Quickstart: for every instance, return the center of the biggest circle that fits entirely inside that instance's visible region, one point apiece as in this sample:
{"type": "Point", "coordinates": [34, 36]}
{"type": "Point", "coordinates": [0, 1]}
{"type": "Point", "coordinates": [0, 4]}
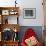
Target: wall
{"type": "Point", "coordinates": [27, 4]}
{"type": "Point", "coordinates": [39, 13]}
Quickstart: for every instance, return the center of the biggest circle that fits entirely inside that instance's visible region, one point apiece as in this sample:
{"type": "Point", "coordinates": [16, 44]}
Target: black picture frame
{"type": "Point", "coordinates": [29, 13]}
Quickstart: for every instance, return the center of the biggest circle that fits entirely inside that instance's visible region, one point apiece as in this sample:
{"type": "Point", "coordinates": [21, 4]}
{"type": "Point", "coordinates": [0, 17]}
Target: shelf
{"type": "Point", "coordinates": [9, 19]}
{"type": "Point", "coordinates": [9, 10]}
{"type": "Point", "coordinates": [8, 15]}
{"type": "Point", "coordinates": [5, 8]}
{"type": "Point", "coordinates": [10, 26]}
{"type": "Point", "coordinates": [11, 41]}
{"type": "Point", "coordinates": [6, 12]}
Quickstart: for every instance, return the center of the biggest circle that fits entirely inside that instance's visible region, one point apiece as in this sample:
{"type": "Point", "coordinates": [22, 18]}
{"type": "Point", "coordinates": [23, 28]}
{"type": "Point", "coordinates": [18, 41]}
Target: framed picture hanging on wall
{"type": "Point", "coordinates": [29, 13]}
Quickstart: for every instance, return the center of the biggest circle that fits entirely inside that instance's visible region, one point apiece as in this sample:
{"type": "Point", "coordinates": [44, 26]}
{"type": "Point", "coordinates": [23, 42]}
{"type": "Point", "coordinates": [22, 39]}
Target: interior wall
{"type": "Point", "coordinates": [38, 21]}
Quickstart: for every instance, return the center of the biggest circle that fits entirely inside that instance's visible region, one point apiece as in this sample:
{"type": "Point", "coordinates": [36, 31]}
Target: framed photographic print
{"type": "Point", "coordinates": [5, 12]}
{"type": "Point", "coordinates": [13, 12]}
{"type": "Point", "coordinates": [29, 13]}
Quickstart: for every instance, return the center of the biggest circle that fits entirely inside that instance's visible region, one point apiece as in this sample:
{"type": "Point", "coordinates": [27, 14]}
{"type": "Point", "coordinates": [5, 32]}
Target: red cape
{"type": "Point", "coordinates": [29, 33]}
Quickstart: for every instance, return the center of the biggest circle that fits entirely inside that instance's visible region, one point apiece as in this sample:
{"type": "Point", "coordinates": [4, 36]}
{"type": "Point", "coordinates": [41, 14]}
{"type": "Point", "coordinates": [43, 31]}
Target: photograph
{"type": "Point", "coordinates": [29, 13]}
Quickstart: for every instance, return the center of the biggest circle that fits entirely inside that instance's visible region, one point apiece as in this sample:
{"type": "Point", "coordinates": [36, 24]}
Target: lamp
{"type": "Point", "coordinates": [15, 3]}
